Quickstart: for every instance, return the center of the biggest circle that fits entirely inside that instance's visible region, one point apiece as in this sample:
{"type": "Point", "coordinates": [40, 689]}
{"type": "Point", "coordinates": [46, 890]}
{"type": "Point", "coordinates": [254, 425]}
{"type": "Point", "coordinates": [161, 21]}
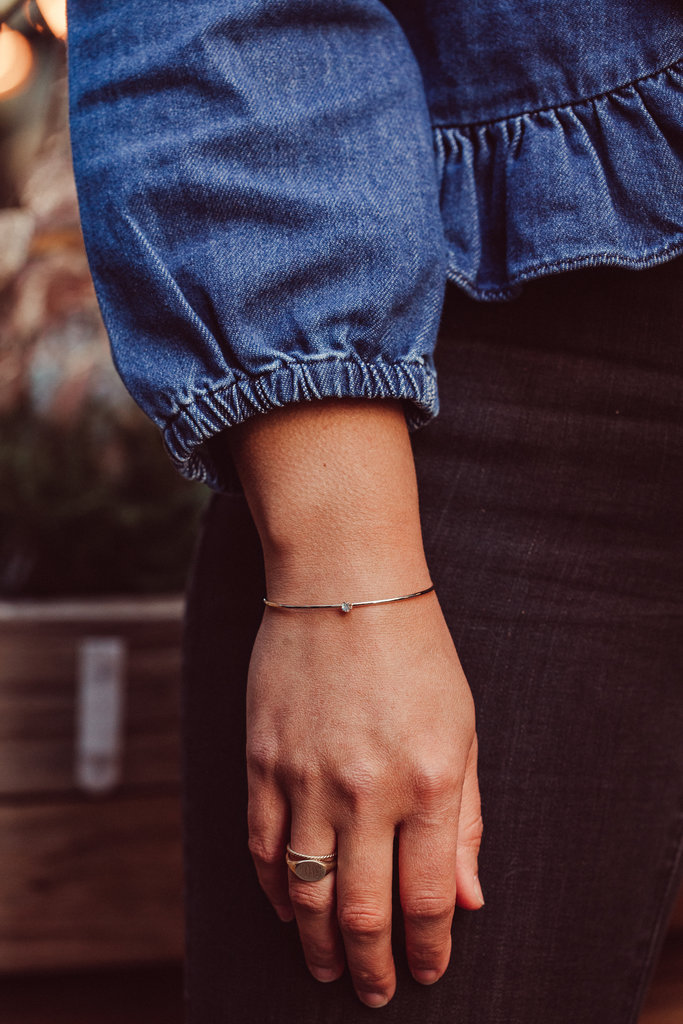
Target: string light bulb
{"type": "Point", "coordinates": [54, 16]}
{"type": "Point", "coordinates": [16, 61]}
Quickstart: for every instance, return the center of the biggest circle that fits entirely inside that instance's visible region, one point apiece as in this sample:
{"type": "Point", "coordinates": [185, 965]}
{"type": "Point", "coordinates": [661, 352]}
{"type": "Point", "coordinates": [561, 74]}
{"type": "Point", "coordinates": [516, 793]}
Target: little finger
{"type": "Point", "coordinates": [427, 883]}
{"type": "Point", "coordinates": [470, 829]}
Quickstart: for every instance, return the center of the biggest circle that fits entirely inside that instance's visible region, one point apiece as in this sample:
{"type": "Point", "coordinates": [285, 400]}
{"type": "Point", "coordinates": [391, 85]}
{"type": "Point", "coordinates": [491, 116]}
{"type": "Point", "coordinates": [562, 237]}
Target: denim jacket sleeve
{"type": "Point", "coordinates": [259, 200]}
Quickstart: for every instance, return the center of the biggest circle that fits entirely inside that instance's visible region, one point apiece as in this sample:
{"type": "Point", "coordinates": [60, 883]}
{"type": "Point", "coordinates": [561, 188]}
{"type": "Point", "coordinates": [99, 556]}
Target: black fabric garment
{"type": "Point", "coordinates": [551, 491]}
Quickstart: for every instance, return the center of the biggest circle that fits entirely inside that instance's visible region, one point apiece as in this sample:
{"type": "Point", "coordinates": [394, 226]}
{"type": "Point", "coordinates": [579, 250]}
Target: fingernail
{"type": "Point", "coordinates": [426, 977]}
{"type": "Point", "coordinates": [325, 974]}
{"type": "Point", "coordinates": [477, 887]}
{"type": "Point", "coordinates": [285, 914]}
{"type": "Point", "coordinates": [373, 998]}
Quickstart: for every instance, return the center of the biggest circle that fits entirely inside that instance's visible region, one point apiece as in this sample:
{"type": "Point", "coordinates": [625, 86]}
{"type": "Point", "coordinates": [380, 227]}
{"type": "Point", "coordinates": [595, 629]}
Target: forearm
{"type": "Point", "coordinates": [332, 488]}
{"type": "Point", "coordinates": [361, 727]}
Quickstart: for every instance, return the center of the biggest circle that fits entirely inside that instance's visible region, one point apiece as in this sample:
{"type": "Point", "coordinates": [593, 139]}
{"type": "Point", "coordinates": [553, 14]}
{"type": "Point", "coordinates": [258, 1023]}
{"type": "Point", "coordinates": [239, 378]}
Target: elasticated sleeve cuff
{"type": "Point", "coordinates": [259, 199]}
{"type": "Point", "coordinates": [189, 435]}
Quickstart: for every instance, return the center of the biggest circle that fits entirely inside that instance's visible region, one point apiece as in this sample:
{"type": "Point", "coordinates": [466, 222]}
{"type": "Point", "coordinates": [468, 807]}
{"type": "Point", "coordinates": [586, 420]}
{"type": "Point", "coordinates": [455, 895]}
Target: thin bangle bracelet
{"type": "Point", "coordinates": [346, 606]}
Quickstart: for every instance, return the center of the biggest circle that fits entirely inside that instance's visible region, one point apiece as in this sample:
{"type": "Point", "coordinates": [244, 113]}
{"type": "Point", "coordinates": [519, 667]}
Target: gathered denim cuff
{"type": "Point", "coordinates": [190, 435]}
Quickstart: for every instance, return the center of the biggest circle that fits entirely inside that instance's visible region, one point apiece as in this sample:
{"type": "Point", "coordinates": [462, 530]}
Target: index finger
{"type": "Point", "coordinates": [364, 873]}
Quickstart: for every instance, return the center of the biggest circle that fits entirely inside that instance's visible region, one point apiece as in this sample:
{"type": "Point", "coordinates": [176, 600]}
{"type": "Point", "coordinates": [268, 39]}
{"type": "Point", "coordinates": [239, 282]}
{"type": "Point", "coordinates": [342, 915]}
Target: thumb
{"type": "Point", "coordinates": [470, 828]}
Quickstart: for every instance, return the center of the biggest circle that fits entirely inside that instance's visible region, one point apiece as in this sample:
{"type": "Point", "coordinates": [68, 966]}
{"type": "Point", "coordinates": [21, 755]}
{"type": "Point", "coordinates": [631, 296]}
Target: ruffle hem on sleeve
{"type": "Point", "coordinates": [598, 181]}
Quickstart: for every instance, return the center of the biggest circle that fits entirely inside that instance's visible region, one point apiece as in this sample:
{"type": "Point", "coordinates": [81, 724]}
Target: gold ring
{"type": "Point", "coordinates": [310, 868]}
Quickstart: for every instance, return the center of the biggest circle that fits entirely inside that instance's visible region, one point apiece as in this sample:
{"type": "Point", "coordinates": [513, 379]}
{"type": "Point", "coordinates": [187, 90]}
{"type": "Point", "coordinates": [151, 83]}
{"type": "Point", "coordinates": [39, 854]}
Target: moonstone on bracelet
{"type": "Point", "coordinates": [346, 606]}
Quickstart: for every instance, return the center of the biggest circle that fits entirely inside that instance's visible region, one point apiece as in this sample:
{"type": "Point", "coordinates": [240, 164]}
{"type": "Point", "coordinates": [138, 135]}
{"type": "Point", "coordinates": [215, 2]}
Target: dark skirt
{"type": "Point", "coordinates": [551, 492]}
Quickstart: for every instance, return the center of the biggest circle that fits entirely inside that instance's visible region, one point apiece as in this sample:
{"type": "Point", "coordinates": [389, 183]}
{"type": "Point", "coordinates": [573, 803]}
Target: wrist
{"type": "Point", "coordinates": [329, 571]}
{"type": "Point", "coordinates": [342, 537]}
{"type": "Point", "coordinates": [332, 489]}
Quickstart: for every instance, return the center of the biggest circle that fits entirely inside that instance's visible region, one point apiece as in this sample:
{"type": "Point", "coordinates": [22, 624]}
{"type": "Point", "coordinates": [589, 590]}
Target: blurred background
{"type": "Point", "coordinates": [96, 534]}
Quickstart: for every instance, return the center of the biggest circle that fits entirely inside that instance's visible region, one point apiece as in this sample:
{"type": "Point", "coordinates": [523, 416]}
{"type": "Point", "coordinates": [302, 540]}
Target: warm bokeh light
{"type": "Point", "coordinates": [16, 61]}
{"type": "Point", "coordinates": [54, 14]}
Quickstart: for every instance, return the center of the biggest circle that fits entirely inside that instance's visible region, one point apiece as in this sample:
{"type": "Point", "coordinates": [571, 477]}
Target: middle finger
{"type": "Point", "coordinates": [364, 874]}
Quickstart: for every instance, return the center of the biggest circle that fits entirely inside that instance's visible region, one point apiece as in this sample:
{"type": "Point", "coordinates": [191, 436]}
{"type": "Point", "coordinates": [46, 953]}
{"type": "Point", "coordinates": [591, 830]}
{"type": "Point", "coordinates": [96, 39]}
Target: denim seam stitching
{"type": "Point", "coordinates": [442, 126]}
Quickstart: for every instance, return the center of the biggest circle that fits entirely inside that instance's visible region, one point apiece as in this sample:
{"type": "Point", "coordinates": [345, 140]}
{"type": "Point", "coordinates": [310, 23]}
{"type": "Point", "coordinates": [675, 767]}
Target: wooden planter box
{"type": "Point", "coordinates": [90, 834]}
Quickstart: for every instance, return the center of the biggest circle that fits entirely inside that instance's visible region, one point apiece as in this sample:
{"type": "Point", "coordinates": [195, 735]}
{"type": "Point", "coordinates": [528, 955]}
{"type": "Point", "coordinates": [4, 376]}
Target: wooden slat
{"type": "Point", "coordinates": [38, 701]}
{"type": "Point", "coordinates": [87, 883]}
{"type": "Point", "coordinates": [41, 768]}
{"type": "Point", "coordinates": [97, 609]}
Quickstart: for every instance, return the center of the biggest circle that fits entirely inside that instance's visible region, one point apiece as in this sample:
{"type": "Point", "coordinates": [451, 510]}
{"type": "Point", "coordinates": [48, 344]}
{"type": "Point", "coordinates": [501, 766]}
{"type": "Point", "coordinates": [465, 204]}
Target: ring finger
{"type": "Point", "coordinates": [314, 902]}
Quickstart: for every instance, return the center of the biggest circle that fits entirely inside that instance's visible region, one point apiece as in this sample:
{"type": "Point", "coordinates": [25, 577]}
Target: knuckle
{"type": "Point", "coordinates": [436, 782]}
{"type": "Point", "coordinates": [320, 954]}
{"type": "Point", "coordinates": [368, 980]}
{"type": "Point", "coordinates": [262, 758]}
{"type": "Point", "coordinates": [361, 782]}
{"type": "Point", "coordinates": [310, 900]}
{"type": "Point", "coordinates": [471, 833]}
{"type": "Point", "coordinates": [265, 850]}
{"type": "Point", "coordinates": [363, 922]}
{"type": "Point", "coordinates": [429, 908]}
{"type": "Point", "coordinates": [426, 957]}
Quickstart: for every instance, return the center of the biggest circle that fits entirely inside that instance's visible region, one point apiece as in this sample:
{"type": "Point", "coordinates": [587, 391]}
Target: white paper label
{"type": "Point", "coordinates": [99, 713]}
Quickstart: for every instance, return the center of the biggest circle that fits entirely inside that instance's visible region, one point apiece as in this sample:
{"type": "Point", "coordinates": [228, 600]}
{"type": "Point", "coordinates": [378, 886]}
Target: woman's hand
{"type": "Point", "coordinates": [360, 725]}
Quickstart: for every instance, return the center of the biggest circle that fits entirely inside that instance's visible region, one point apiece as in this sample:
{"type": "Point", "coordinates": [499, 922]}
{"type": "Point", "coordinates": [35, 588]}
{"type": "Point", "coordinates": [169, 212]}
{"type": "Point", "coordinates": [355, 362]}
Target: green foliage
{"type": "Point", "coordinates": [93, 508]}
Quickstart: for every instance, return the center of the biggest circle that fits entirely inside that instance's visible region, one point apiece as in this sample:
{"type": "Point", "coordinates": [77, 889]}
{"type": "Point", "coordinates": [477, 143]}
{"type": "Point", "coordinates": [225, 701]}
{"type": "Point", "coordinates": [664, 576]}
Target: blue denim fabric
{"type": "Point", "coordinates": [274, 192]}
{"type": "Point", "coordinates": [259, 201]}
{"type": "Point", "coordinates": [559, 133]}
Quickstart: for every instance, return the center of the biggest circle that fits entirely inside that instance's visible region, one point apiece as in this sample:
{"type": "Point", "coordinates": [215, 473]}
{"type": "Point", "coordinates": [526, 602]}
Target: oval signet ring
{"type": "Point", "coordinates": [309, 868]}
